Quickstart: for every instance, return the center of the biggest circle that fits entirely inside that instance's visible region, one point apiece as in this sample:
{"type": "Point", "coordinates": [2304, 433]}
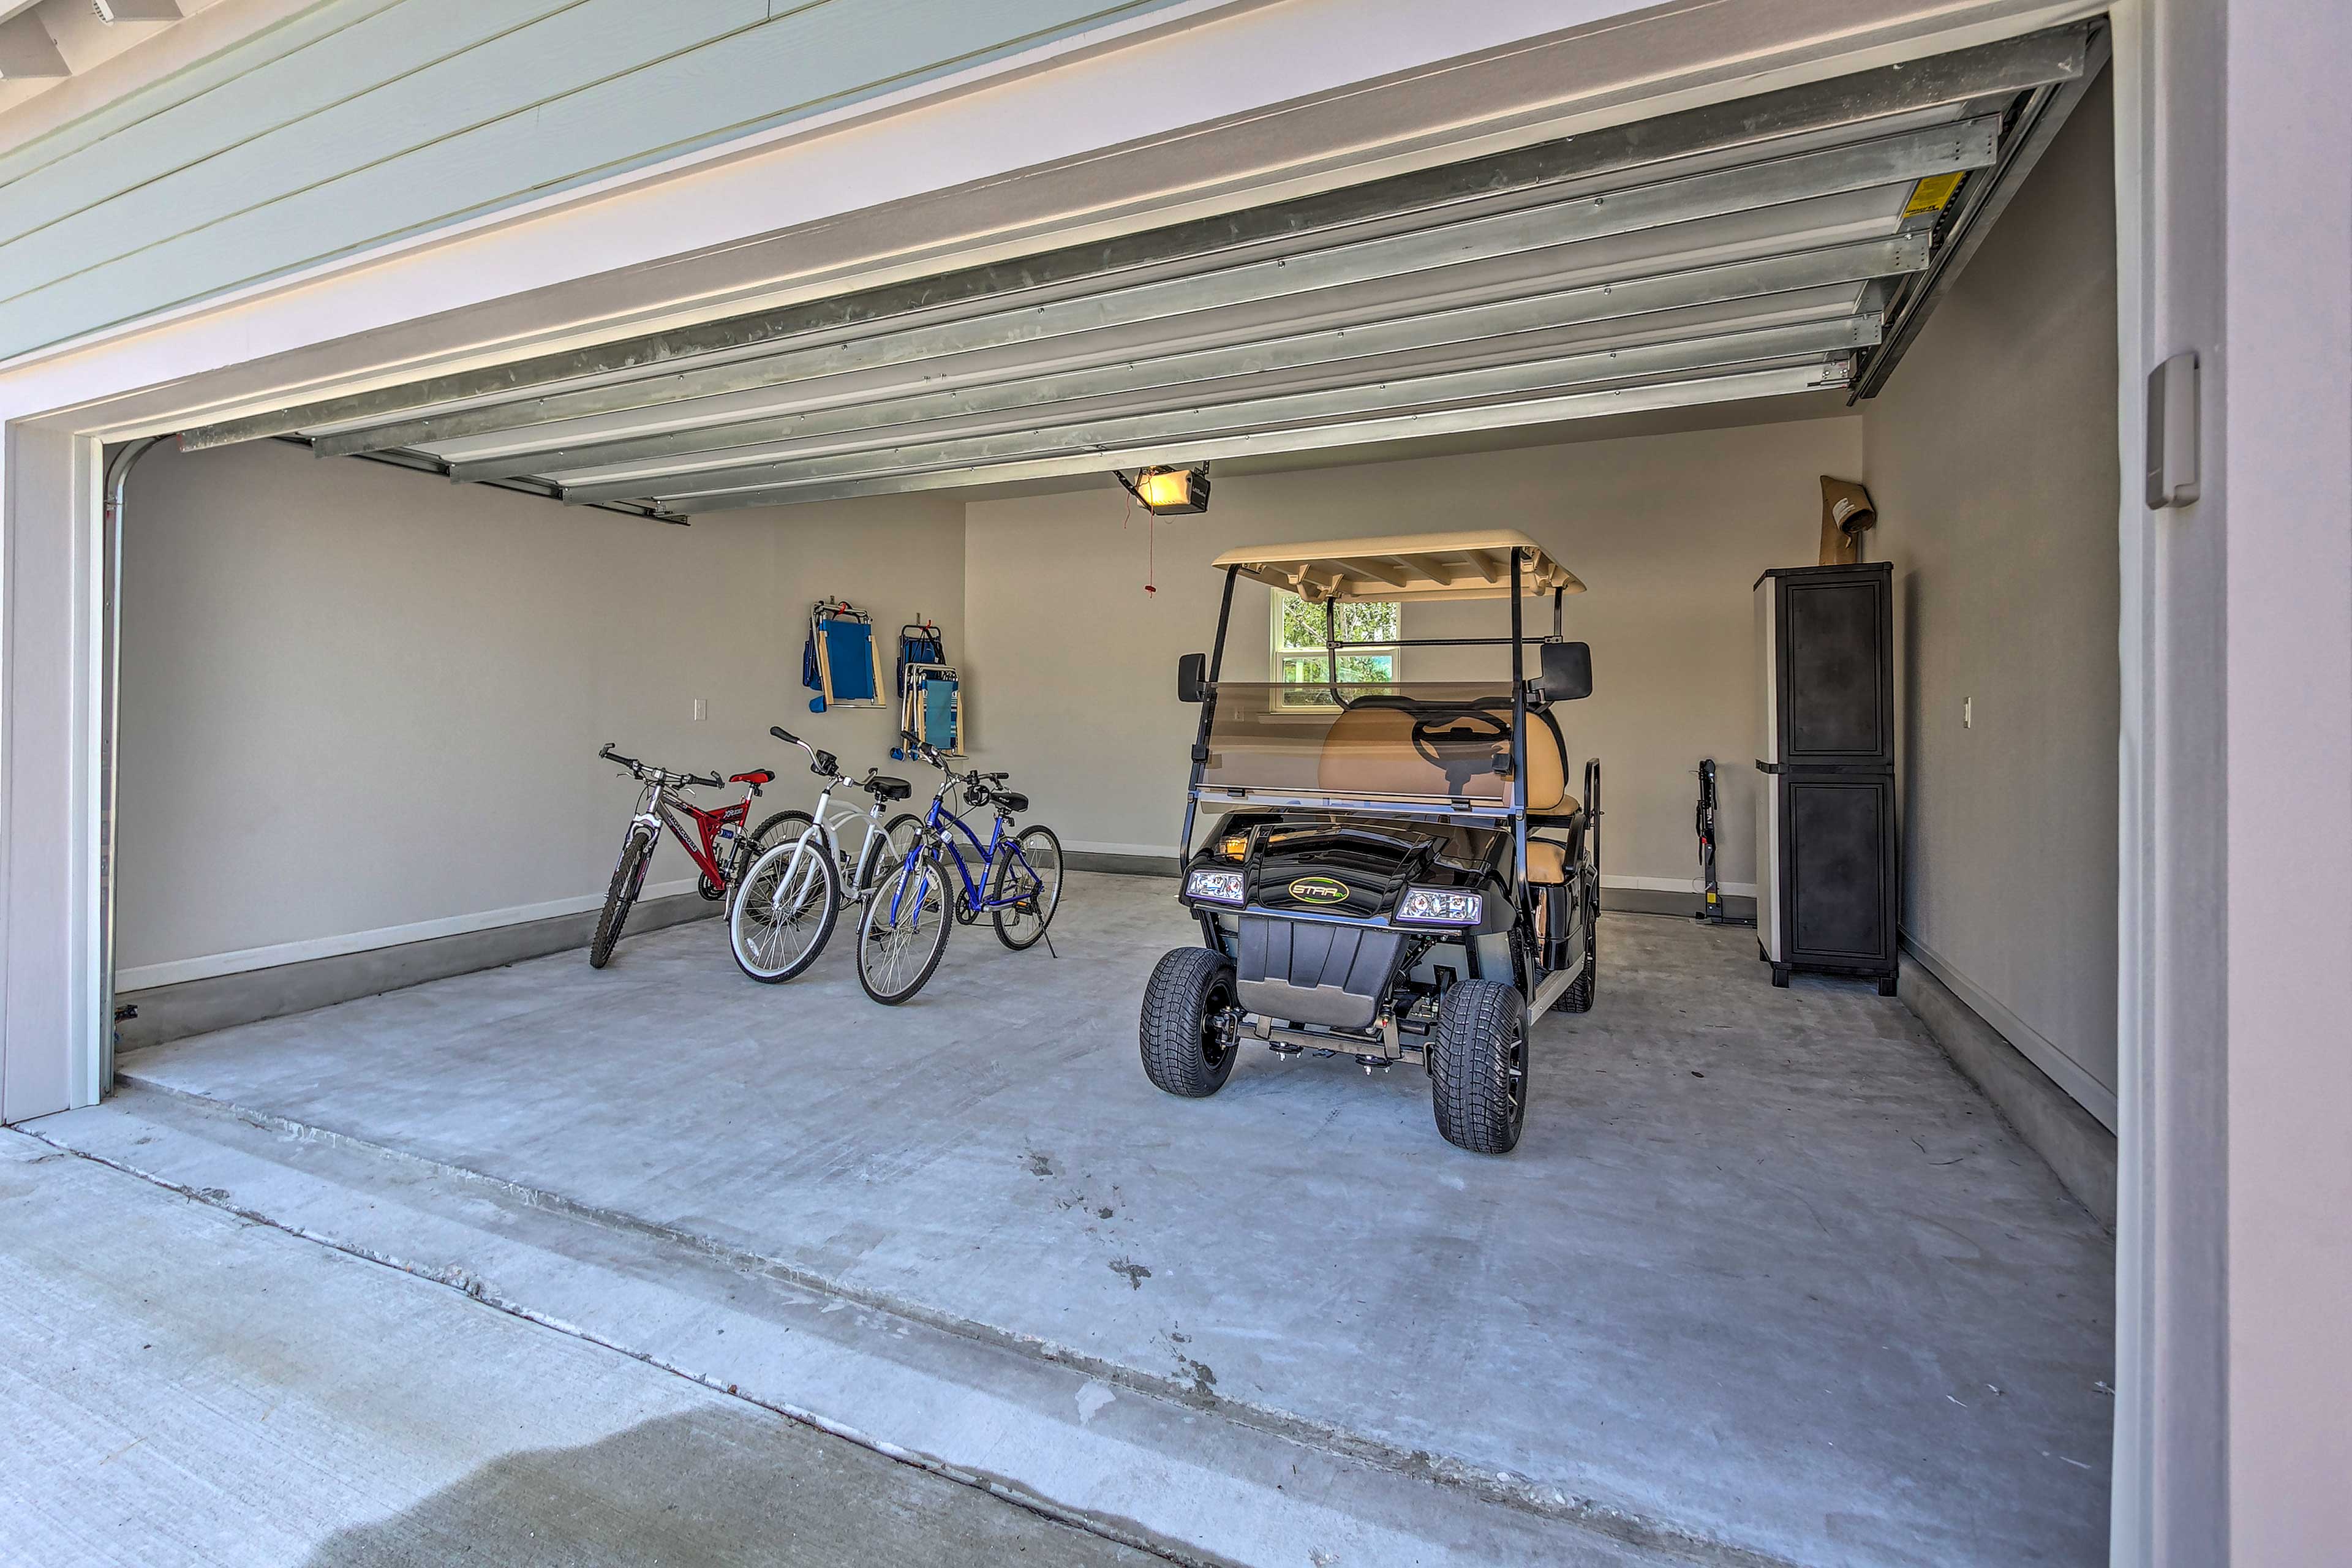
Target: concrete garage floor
{"type": "Point", "coordinates": [1766, 1279]}
{"type": "Point", "coordinates": [185, 1387]}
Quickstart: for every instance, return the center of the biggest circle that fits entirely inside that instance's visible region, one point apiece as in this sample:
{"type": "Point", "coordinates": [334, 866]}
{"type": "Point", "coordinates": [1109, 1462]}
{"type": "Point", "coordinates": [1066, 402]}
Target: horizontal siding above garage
{"type": "Point", "coordinates": [363, 121]}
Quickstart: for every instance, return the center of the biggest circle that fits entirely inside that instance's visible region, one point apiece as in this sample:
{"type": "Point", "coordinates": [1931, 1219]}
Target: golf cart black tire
{"type": "Point", "coordinates": [1470, 1066]}
{"type": "Point", "coordinates": [1189, 985]}
{"type": "Point", "coordinates": [627, 877]}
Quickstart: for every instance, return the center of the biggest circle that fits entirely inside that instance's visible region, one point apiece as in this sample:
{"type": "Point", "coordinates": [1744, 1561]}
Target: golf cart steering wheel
{"type": "Point", "coordinates": [1430, 729]}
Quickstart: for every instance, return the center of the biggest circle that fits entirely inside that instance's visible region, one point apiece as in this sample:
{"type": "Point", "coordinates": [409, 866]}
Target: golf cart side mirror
{"type": "Point", "coordinates": [1567, 672]}
{"type": "Point", "coordinates": [1192, 677]}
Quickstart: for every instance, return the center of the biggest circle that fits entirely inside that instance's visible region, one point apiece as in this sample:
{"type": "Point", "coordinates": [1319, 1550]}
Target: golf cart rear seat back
{"type": "Point", "coordinates": [1398, 871]}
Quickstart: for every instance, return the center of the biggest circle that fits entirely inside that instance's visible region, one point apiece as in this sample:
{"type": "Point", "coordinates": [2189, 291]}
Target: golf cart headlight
{"type": "Point", "coordinates": [1217, 887]}
{"type": "Point", "coordinates": [1440, 906]}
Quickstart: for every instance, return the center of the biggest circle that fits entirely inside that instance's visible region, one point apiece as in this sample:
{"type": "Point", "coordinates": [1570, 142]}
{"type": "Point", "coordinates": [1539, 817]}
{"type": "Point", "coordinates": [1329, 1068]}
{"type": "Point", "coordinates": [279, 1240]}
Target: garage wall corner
{"type": "Point", "coordinates": [1992, 459]}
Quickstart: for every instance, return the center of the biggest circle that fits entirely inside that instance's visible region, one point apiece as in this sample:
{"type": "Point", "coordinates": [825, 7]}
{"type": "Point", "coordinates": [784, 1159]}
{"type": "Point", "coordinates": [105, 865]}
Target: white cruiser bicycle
{"type": "Point", "coordinates": [787, 902]}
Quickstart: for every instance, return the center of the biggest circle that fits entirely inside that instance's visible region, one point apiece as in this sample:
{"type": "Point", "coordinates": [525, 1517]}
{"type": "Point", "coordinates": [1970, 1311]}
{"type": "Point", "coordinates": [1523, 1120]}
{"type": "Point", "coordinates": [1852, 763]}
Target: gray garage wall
{"type": "Point", "coordinates": [1992, 459]}
{"type": "Point", "coordinates": [1669, 532]}
{"type": "Point", "coordinates": [361, 706]}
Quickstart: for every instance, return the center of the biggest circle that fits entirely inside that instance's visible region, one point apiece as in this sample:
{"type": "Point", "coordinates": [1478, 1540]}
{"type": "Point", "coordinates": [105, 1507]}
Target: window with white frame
{"type": "Point", "coordinates": [1299, 659]}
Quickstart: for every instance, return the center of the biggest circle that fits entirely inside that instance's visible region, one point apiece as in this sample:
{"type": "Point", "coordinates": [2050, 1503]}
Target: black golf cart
{"type": "Point", "coordinates": [1397, 871]}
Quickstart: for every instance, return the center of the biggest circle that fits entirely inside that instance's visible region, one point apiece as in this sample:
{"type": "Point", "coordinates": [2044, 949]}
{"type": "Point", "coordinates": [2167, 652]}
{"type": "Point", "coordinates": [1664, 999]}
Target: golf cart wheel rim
{"type": "Point", "coordinates": [1214, 1007]}
{"type": "Point", "coordinates": [1515, 1064]}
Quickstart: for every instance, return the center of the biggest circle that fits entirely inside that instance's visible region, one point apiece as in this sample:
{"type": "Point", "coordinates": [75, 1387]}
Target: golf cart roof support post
{"type": "Point", "coordinates": [1208, 711]}
{"type": "Point", "coordinates": [1558, 613]}
{"type": "Point", "coordinates": [1224, 615]}
{"type": "Point", "coordinates": [1519, 745]}
{"type": "Point", "coordinates": [1330, 650]}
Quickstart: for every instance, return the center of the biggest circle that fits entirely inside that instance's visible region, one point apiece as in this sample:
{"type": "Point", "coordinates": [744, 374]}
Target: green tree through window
{"type": "Point", "coordinates": [1298, 657]}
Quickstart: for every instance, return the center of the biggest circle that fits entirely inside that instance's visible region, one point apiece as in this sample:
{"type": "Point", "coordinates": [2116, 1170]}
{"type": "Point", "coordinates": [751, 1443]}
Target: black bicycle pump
{"type": "Point", "coordinates": [1712, 909]}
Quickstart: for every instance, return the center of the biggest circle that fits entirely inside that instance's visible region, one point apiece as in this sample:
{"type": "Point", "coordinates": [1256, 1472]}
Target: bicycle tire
{"type": "Point", "coordinates": [879, 855]}
{"type": "Point", "coordinates": [749, 846]}
{"type": "Point", "coordinates": [772, 959]}
{"type": "Point", "coordinates": [900, 908]}
{"type": "Point", "coordinates": [787, 825]}
{"type": "Point", "coordinates": [904, 831]}
{"type": "Point", "coordinates": [1047, 854]}
{"type": "Point", "coordinates": [628, 877]}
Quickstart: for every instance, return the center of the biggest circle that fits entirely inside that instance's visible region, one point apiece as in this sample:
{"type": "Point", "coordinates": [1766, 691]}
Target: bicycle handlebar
{"type": "Point", "coordinates": [977, 786]}
{"type": "Point", "coordinates": [824, 764]}
{"type": "Point", "coordinates": [659, 775]}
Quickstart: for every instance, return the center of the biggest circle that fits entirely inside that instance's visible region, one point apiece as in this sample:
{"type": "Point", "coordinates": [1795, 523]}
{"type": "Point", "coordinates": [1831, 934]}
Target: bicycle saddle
{"type": "Point", "coordinates": [1012, 800]}
{"type": "Point", "coordinates": [886, 787]}
{"type": "Point", "coordinates": [756, 776]}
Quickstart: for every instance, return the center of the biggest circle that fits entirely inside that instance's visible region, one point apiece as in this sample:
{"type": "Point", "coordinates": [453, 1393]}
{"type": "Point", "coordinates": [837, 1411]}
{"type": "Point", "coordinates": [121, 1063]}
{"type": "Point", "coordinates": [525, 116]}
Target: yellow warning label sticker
{"type": "Point", "coordinates": [1930, 194]}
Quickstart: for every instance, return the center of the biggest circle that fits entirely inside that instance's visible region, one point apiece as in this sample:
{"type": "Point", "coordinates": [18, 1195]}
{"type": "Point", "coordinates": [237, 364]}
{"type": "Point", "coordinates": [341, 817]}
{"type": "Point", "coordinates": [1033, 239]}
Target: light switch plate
{"type": "Point", "coordinates": [701, 710]}
{"type": "Point", "coordinates": [2172, 432]}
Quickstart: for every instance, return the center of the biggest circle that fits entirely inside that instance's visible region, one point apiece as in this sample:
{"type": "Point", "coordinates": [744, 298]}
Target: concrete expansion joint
{"type": "Point", "coordinates": [1601, 1519]}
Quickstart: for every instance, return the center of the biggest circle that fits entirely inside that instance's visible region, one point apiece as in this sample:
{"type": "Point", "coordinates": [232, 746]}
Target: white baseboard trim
{"type": "Point", "coordinates": [1690, 885]}
{"type": "Point", "coordinates": [2032, 1043]}
{"type": "Point", "coordinates": [179, 970]}
{"type": "Point", "coordinates": [1088, 846]}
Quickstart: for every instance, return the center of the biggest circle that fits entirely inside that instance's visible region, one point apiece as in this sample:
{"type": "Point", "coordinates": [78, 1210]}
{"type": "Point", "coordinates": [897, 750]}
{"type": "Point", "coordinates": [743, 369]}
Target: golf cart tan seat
{"type": "Point", "coordinates": [1547, 860]}
{"type": "Point", "coordinates": [1370, 750]}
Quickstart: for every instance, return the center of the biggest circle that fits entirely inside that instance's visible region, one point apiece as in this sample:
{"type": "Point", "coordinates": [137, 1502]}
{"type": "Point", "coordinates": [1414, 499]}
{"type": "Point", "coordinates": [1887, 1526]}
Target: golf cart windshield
{"type": "Point", "coordinates": [1432, 742]}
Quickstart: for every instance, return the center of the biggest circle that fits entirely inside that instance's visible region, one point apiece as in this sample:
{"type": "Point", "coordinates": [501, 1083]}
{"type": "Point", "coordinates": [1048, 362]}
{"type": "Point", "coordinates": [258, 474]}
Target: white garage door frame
{"type": "Point", "coordinates": [536, 281]}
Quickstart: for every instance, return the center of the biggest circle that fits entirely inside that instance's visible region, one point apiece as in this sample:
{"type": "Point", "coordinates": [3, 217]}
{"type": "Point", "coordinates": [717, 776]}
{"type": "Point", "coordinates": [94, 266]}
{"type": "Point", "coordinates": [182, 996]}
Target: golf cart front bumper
{"type": "Point", "coordinates": [1314, 971]}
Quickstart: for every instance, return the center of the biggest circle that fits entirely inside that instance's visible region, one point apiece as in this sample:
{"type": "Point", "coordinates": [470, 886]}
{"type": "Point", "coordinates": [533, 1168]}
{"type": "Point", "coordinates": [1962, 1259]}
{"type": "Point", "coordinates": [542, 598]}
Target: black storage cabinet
{"type": "Point", "coordinates": [1829, 889]}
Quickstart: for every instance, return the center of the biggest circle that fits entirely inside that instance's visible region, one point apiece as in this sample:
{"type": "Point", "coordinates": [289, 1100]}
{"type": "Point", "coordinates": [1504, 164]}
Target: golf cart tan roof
{"type": "Point", "coordinates": [1417, 566]}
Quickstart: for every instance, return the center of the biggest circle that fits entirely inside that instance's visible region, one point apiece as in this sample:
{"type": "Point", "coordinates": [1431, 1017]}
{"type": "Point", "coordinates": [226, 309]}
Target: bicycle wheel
{"type": "Point", "coordinates": [636, 853]}
{"type": "Point", "coordinates": [902, 928]}
{"type": "Point", "coordinates": [900, 834]}
{"type": "Point", "coordinates": [1030, 873]}
{"type": "Point", "coordinates": [785, 908]}
{"type": "Point", "coordinates": [749, 845]}
{"type": "Point", "coordinates": [783, 828]}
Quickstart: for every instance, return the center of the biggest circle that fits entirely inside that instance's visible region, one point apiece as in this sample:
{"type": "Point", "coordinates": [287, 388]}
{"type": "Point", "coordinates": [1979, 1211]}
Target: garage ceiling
{"type": "Point", "coordinates": [1774, 245]}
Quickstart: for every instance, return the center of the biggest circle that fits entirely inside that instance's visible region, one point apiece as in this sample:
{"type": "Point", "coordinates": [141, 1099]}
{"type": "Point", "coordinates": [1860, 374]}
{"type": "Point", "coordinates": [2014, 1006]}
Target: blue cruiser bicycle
{"type": "Point", "coordinates": [903, 924]}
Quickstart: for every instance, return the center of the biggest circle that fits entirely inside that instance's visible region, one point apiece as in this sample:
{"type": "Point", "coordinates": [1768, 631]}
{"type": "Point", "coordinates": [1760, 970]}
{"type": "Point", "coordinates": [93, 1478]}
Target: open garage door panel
{"type": "Point", "coordinates": [1785, 243]}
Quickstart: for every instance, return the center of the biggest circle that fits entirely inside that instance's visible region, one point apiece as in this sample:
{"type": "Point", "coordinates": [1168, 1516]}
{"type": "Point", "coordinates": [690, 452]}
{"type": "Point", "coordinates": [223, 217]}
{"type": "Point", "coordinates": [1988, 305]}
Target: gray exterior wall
{"type": "Point", "coordinates": [358, 122]}
{"type": "Point", "coordinates": [1992, 458]}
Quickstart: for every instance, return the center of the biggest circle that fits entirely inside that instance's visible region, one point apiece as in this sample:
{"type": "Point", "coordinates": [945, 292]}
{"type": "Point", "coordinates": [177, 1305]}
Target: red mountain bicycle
{"type": "Point", "coordinates": [718, 846]}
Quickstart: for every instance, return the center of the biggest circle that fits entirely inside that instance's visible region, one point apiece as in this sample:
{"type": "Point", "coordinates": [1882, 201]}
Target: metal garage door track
{"type": "Point", "coordinates": [1767, 1280]}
